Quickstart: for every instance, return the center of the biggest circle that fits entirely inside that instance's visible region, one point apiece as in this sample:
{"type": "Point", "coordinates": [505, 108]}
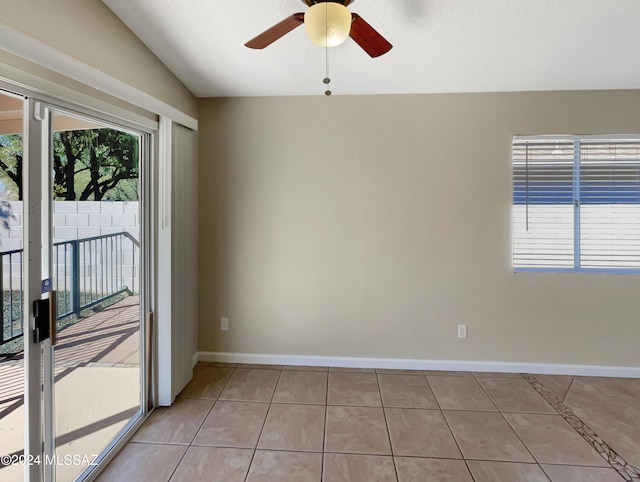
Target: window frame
{"type": "Point", "coordinates": [576, 139]}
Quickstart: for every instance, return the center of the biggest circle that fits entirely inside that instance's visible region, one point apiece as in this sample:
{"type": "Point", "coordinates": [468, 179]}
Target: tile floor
{"type": "Point", "coordinates": [269, 423]}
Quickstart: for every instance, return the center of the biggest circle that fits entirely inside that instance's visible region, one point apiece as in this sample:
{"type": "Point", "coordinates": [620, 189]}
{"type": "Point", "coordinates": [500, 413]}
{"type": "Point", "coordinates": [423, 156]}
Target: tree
{"type": "Point", "coordinates": [92, 164]}
{"type": "Point", "coordinates": [95, 164]}
{"type": "Point", "coordinates": [11, 159]}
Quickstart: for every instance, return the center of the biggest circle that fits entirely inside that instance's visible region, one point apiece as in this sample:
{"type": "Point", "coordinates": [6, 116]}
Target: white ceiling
{"type": "Point", "coordinates": [439, 46]}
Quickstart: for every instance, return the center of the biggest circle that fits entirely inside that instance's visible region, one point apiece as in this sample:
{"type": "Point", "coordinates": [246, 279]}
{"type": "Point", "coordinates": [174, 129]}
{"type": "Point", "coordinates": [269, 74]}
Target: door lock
{"type": "Point", "coordinates": [45, 313]}
{"type": "Point", "coordinates": [41, 309]}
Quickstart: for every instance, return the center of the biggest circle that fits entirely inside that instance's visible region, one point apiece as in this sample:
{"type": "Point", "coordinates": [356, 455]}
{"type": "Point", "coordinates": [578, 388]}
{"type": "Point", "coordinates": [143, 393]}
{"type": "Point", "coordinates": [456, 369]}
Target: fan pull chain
{"type": "Point", "coordinates": [326, 79]}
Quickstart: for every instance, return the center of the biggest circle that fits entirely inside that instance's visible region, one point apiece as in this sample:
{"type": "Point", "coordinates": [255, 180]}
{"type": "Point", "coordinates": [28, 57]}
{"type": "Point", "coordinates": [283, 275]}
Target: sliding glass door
{"type": "Point", "coordinates": [84, 294]}
{"type": "Point", "coordinates": [95, 378]}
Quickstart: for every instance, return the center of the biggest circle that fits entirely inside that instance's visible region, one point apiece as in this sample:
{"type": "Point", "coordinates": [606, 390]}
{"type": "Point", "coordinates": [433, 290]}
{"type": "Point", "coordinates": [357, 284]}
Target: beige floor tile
{"type": "Point", "coordinates": [486, 436]}
{"type": "Point", "coordinates": [259, 366]}
{"type": "Point", "coordinates": [305, 368]}
{"type": "Point", "coordinates": [400, 372]}
{"type": "Point", "coordinates": [233, 424]}
{"type": "Point", "coordinates": [358, 389]}
{"type": "Point", "coordinates": [611, 408]}
{"type": "Point", "coordinates": [553, 441]}
{"type": "Point", "coordinates": [515, 395]}
{"type": "Point", "coordinates": [351, 370]}
{"type": "Point", "coordinates": [496, 375]}
{"type": "Point", "coordinates": [294, 427]}
{"type": "Point", "coordinates": [460, 393]}
{"type": "Point", "coordinates": [268, 466]}
{"type": "Point", "coordinates": [358, 430]}
{"type": "Point", "coordinates": [420, 433]}
{"type": "Point", "coordinates": [358, 468]}
{"type": "Point", "coordinates": [207, 382]}
{"type": "Point", "coordinates": [177, 424]}
{"type": "Point", "coordinates": [143, 462]}
{"type": "Point", "coordinates": [556, 384]}
{"type": "Point", "coordinates": [406, 391]}
{"type": "Point", "coordinates": [251, 385]}
{"type": "Point", "coordinates": [212, 464]}
{"type": "Point", "coordinates": [301, 387]}
{"type": "Point", "coordinates": [565, 473]}
{"type": "Point", "coordinates": [215, 364]}
{"type": "Point", "coordinates": [507, 471]}
{"type": "Point", "coordinates": [432, 470]}
{"type": "Point", "coordinates": [444, 373]}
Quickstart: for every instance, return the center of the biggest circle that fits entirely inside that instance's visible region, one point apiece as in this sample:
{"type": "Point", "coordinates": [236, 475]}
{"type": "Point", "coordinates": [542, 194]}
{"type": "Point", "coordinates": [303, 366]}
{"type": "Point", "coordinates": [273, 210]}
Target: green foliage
{"type": "Point", "coordinates": [11, 166]}
{"type": "Point", "coordinates": [95, 165]}
{"type": "Point", "coordinates": [88, 165]}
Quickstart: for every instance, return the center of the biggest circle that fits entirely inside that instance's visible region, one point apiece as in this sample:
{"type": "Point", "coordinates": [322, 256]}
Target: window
{"type": "Point", "coordinates": [576, 204]}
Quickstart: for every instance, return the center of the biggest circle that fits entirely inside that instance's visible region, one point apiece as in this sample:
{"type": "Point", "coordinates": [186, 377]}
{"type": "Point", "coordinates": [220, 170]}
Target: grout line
{"type": "Point", "coordinates": [264, 423]}
{"type": "Point", "coordinates": [217, 399]}
{"type": "Point", "coordinates": [202, 423]}
{"type": "Point", "coordinates": [386, 422]}
{"type": "Point", "coordinates": [513, 429]}
{"type": "Point", "coordinates": [545, 472]}
{"type": "Point", "coordinates": [510, 426]}
{"type": "Point", "coordinates": [261, 449]}
{"type": "Point", "coordinates": [486, 393]}
{"type": "Point", "coordinates": [453, 435]}
{"type": "Point", "coordinates": [559, 464]}
{"type": "Point", "coordinates": [416, 373]}
{"type": "Point", "coordinates": [433, 394]}
{"type": "Point", "coordinates": [179, 462]}
{"type": "Point", "coordinates": [326, 419]}
{"type": "Point", "coordinates": [152, 442]}
{"type": "Point", "coordinates": [564, 399]}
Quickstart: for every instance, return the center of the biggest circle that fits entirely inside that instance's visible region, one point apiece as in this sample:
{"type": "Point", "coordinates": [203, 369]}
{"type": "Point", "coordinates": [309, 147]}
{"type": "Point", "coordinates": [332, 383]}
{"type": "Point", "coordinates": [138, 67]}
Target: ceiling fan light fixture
{"type": "Point", "coordinates": [328, 24]}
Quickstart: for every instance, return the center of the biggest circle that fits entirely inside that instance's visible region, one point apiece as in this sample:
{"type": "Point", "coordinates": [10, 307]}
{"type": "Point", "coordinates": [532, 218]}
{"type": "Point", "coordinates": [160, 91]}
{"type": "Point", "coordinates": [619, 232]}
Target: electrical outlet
{"type": "Point", "coordinates": [462, 331]}
{"type": "Point", "coordinates": [224, 324]}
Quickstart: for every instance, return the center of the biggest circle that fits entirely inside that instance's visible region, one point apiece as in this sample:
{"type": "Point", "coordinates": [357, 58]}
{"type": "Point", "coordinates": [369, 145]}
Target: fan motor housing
{"type": "Point", "coordinates": [311, 3]}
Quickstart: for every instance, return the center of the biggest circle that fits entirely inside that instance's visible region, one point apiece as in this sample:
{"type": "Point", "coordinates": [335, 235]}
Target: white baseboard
{"type": "Point", "coordinates": [195, 358]}
{"type": "Point", "coordinates": [409, 364]}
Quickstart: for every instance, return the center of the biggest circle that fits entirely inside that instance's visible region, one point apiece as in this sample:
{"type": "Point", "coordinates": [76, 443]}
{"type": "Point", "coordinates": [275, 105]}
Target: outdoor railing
{"type": "Point", "coordinates": [12, 320]}
{"type": "Point", "coordinates": [86, 272]}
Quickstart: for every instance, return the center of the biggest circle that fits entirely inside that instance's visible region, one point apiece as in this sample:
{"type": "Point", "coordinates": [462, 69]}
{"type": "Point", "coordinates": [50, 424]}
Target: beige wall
{"type": "Point", "coordinates": [89, 32]}
{"type": "Point", "coordinates": [371, 226]}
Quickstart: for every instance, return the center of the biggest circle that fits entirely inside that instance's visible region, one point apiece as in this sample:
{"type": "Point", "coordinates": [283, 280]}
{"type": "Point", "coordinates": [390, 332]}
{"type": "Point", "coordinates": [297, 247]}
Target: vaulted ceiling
{"type": "Point", "coordinates": [438, 46]}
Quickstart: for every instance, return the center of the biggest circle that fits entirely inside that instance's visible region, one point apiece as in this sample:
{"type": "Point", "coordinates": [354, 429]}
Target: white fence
{"type": "Point", "coordinates": [75, 220]}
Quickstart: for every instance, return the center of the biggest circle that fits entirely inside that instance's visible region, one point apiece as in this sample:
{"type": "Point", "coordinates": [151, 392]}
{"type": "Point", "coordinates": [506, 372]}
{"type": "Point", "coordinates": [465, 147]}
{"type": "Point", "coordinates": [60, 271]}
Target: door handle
{"type": "Point", "coordinates": [41, 316]}
{"type": "Point", "coordinates": [45, 313]}
{"type": "Point", "coordinates": [53, 316]}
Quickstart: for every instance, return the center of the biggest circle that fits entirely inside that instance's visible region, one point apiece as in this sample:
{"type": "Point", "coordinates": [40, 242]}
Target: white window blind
{"type": "Point", "coordinates": [576, 204]}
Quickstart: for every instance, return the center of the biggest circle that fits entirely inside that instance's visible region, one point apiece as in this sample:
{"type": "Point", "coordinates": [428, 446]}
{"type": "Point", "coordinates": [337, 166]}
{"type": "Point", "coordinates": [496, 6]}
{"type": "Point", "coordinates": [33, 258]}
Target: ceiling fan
{"type": "Point", "coordinates": [328, 23]}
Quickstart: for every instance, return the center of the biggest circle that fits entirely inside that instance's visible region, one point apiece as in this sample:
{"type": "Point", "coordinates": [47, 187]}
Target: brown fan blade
{"type": "Point", "coordinates": [367, 37]}
{"type": "Point", "coordinates": [274, 33]}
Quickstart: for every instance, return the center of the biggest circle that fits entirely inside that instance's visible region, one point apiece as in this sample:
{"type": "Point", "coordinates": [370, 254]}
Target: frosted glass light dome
{"type": "Point", "coordinates": [327, 24]}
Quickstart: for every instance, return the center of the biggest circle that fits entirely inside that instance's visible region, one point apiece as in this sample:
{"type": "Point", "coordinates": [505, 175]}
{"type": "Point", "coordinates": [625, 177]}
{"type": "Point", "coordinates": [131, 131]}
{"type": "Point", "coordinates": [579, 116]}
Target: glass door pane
{"type": "Point", "coordinates": [96, 275]}
{"type": "Point", "coordinates": [12, 373]}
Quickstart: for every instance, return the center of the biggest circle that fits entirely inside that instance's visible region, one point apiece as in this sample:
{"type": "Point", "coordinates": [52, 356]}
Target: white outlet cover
{"type": "Point", "coordinates": [224, 324]}
{"type": "Point", "coordinates": [462, 331]}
